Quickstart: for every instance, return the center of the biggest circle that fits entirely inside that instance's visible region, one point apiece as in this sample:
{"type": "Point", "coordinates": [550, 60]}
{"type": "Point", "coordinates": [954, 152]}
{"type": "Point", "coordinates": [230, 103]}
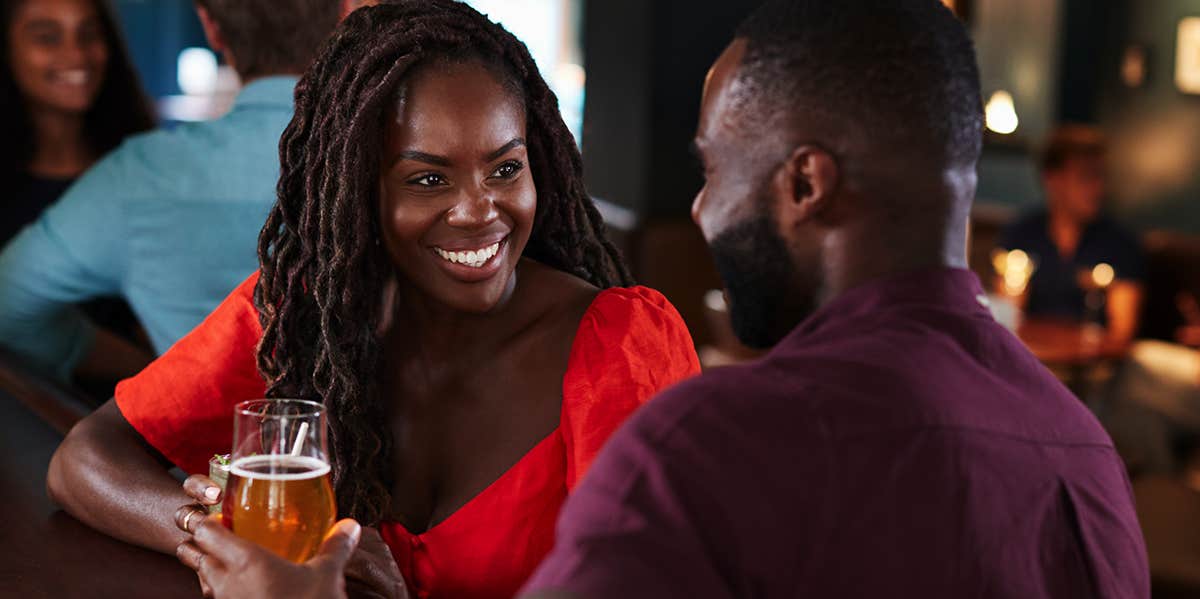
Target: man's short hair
{"type": "Point", "coordinates": [1070, 142]}
{"type": "Point", "coordinates": [273, 37]}
{"type": "Point", "coordinates": [895, 73]}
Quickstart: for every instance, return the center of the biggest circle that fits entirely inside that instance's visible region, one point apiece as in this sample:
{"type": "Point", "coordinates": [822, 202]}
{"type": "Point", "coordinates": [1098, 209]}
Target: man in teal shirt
{"type": "Point", "coordinates": [169, 220]}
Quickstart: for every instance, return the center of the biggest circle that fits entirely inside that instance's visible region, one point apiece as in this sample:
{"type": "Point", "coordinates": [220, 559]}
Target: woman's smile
{"type": "Point", "coordinates": [479, 263]}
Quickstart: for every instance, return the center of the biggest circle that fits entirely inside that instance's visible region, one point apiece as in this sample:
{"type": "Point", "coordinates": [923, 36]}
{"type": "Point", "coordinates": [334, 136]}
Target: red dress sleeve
{"type": "Point", "coordinates": [182, 403]}
{"type": "Point", "coordinates": [630, 345]}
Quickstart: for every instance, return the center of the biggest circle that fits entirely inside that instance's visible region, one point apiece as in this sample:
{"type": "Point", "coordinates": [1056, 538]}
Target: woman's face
{"type": "Point", "coordinates": [457, 200]}
{"type": "Point", "coordinates": [58, 53]}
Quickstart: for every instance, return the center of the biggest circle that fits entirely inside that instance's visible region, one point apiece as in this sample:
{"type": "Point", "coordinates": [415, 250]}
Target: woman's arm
{"type": "Point", "coordinates": [107, 476]}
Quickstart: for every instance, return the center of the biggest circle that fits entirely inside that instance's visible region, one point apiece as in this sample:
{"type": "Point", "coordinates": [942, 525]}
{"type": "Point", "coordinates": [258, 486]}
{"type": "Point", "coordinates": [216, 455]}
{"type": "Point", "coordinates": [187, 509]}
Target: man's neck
{"type": "Point", "coordinates": [858, 255]}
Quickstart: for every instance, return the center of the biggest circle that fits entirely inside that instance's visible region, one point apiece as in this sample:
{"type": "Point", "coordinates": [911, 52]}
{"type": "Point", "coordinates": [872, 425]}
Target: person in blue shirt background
{"type": "Point", "coordinates": [1071, 235]}
{"type": "Point", "coordinates": [170, 219]}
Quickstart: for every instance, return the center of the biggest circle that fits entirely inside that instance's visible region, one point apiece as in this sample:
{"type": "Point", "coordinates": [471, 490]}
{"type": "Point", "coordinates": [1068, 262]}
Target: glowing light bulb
{"type": "Point", "coordinates": [1103, 275]}
{"type": "Point", "coordinates": [196, 71]}
{"type": "Point", "coordinates": [1001, 114]}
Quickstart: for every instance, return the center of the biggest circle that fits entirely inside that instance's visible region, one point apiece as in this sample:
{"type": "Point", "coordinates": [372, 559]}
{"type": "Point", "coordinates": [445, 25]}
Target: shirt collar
{"type": "Point", "coordinates": [271, 92]}
{"type": "Point", "coordinates": [953, 289]}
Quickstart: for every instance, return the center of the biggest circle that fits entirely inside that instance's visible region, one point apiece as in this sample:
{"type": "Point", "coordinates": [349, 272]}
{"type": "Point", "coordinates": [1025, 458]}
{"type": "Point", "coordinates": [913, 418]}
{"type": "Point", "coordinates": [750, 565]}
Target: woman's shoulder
{"type": "Point", "coordinates": [638, 312]}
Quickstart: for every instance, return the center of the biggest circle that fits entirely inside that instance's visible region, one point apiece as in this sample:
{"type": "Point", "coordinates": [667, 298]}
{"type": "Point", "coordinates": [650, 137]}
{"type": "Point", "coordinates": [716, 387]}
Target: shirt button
{"type": "Point", "coordinates": [417, 543]}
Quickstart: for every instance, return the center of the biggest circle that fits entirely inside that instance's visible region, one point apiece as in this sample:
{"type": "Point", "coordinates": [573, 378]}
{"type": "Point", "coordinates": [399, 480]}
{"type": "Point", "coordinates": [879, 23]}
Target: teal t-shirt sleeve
{"type": "Point", "coordinates": [72, 253]}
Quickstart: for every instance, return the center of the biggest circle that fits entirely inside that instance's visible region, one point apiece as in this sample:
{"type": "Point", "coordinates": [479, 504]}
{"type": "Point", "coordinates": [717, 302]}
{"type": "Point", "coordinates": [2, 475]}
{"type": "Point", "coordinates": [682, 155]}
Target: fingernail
{"type": "Point", "coordinates": [212, 493]}
{"type": "Point", "coordinates": [355, 530]}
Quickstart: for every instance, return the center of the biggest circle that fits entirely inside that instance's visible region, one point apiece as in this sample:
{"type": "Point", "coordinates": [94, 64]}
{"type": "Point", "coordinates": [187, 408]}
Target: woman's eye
{"type": "Point", "coordinates": [508, 170]}
{"type": "Point", "coordinates": [46, 39]}
{"type": "Point", "coordinates": [430, 180]}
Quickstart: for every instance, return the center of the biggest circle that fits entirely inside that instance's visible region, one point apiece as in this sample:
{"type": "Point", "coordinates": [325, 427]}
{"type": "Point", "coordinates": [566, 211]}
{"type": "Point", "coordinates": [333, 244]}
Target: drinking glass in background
{"type": "Point", "coordinates": [1014, 269]}
{"type": "Point", "coordinates": [279, 493]}
{"type": "Point", "coordinates": [218, 471]}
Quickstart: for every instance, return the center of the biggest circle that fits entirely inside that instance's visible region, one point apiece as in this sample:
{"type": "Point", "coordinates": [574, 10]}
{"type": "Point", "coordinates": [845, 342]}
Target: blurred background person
{"type": "Point", "coordinates": [1069, 236]}
{"type": "Point", "coordinates": [69, 94]}
{"type": "Point", "coordinates": [171, 219]}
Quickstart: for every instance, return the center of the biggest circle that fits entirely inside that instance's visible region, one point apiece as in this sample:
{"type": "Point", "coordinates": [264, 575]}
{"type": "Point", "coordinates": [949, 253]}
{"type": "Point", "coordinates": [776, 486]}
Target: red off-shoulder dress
{"type": "Point", "coordinates": [631, 344]}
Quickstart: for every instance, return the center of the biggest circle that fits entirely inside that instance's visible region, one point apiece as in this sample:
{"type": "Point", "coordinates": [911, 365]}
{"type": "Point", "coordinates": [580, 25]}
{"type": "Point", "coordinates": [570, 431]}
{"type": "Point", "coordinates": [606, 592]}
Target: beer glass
{"type": "Point", "coordinates": [279, 493]}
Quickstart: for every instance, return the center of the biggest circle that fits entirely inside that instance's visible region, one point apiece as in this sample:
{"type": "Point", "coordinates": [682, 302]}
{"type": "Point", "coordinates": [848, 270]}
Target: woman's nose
{"type": "Point", "coordinates": [474, 209]}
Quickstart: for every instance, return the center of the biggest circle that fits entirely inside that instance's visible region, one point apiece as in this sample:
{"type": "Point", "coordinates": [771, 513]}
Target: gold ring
{"type": "Point", "coordinates": [188, 519]}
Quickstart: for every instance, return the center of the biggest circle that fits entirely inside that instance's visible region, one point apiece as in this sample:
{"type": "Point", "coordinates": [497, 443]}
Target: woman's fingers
{"type": "Point", "coordinates": [202, 489]}
{"type": "Point", "coordinates": [188, 517]}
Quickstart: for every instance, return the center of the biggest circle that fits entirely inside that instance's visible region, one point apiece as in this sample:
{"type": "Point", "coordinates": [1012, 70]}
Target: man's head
{"type": "Point", "coordinates": [268, 37]}
{"type": "Point", "coordinates": [1073, 172]}
{"type": "Point", "coordinates": [837, 138]}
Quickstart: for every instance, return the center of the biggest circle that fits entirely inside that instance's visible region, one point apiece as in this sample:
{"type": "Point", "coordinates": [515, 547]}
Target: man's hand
{"type": "Point", "coordinates": [233, 567]}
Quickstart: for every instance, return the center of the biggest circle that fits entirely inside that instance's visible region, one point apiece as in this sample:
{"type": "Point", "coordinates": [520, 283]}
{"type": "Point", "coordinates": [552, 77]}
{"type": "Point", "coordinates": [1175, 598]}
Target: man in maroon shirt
{"type": "Point", "coordinates": [896, 441]}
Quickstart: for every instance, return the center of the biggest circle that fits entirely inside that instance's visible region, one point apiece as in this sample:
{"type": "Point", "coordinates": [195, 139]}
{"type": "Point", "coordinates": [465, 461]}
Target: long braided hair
{"type": "Point", "coordinates": [323, 271]}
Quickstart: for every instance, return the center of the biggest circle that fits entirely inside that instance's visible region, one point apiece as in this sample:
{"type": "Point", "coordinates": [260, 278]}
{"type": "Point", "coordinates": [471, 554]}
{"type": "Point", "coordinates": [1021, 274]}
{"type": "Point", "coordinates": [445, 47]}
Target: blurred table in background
{"type": "Point", "coordinates": [47, 553]}
{"type": "Point", "coordinates": [1062, 343]}
{"type": "Point", "coordinates": [1079, 354]}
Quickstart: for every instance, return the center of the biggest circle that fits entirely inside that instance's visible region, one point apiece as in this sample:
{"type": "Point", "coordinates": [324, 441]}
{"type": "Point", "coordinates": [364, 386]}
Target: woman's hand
{"type": "Point", "coordinates": [233, 567]}
{"type": "Point", "coordinates": [188, 517]}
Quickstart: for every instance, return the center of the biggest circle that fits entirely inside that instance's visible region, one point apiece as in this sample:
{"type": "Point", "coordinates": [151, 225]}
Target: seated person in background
{"type": "Point", "coordinates": [1069, 236]}
{"type": "Point", "coordinates": [70, 95]}
{"type": "Point", "coordinates": [168, 221]}
{"type": "Point", "coordinates": [897, 441]}
{"type": "Point", "coordinates": [435, 273]}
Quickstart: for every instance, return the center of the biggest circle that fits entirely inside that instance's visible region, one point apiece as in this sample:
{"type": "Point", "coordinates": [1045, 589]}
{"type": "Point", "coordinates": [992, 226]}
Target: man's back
{"type": "Point", "coordinates": [898, 443]}
{"type": "Point", "coordinates": [170, 221]}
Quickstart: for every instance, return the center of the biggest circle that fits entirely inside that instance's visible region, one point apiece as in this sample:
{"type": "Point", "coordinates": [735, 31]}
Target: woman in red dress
{"type": "Point", "coordinates": [435, 273]}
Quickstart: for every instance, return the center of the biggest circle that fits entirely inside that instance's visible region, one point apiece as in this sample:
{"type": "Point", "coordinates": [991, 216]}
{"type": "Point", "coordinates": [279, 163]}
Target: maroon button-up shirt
{"type": "Point", "coordinates": [899, 443]}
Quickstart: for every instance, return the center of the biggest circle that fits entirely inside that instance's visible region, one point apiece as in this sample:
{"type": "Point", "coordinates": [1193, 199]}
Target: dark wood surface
{"type": "Point", "coordinates": [1060, 343]}
{"type": "Point", "coordinates": [1169, 512]}
{"type": "Point", "coordinates": [46, 553]}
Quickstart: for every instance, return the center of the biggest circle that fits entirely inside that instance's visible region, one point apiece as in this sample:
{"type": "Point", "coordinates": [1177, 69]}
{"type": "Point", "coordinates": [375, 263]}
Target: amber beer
{"type": "Point", "coordinates": [284, 503]}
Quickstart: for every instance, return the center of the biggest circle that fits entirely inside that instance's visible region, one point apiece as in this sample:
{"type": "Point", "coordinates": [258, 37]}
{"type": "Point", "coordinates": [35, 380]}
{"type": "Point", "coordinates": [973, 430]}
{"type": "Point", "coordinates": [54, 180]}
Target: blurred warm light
{"type": "Point", "coordinates": [1015, 269]}
{"type": "Point", "coordinates": [1001, 114]}
{"type": "Point", "coordinates": [1103, 275]}
{"type": "Point", "coordinates": [951, 4]}
{"type": "Point", "coordinates": [197, 71]}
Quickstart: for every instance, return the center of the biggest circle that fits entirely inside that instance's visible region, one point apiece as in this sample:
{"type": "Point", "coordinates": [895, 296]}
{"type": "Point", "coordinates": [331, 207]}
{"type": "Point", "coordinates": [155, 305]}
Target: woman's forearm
{"type": "Point", "coordinates": [105, 475]}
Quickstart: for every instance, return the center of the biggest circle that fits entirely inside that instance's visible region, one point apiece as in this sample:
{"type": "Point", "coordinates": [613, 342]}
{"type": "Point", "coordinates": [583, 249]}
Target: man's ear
{"type": "Point", "coordinates": [212, 31]}
{"type": "Point", "coordinates": [804, 185]}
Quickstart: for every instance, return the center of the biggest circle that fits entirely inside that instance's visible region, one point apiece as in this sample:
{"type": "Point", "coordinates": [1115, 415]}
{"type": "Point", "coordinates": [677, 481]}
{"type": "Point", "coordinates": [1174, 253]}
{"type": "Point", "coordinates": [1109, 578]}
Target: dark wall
{"type": "Point", "coordinates": [646, 63]}
{"type": "Point", "coordinates": [156, 31]}
{"type": "Point", "coordinates": [1155, 129]}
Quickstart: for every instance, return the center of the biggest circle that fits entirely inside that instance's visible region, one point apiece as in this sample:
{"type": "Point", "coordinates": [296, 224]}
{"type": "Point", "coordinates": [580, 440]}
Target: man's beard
{"type": "Point", "coordinates": [768, 295]}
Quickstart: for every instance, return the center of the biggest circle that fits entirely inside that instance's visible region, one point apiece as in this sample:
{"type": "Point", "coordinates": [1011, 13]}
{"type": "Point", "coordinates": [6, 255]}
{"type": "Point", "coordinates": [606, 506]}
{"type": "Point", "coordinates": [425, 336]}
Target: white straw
{"type": "Point", "coordinates": [298, 444]}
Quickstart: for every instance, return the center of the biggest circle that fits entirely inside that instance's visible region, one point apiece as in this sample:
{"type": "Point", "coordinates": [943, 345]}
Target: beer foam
{"type": "Point", "coordinates": [309, 467]}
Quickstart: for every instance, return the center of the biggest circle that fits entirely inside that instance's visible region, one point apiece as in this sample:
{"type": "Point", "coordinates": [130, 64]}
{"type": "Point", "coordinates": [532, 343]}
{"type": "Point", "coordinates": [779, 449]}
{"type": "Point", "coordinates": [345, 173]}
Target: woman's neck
{"type": "Point", "coordinates": [440, 332]}
{"type": "Point", "coordinates": [61, 149]}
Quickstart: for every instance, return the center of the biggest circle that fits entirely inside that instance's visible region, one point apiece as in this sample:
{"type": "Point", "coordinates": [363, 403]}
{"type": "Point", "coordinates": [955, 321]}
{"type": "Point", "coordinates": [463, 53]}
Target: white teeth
{"type": "Point", "coordinates": [473, 258]}
{"type": "Point", "coordinates": [73, 77]}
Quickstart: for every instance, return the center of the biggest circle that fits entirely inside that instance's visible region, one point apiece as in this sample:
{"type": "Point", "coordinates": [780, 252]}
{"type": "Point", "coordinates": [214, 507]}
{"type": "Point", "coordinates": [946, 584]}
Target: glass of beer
{"type": "Point", "coordinates": [279, 493]}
